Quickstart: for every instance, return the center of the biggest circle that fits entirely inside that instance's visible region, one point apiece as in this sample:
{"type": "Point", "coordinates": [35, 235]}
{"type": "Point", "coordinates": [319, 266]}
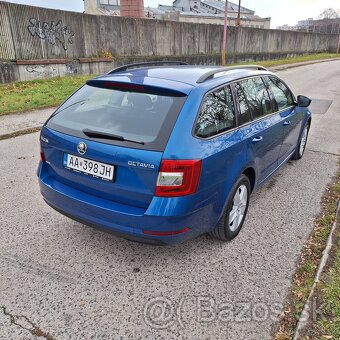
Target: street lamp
{"type": "Point", "coordinates": [224, 45]}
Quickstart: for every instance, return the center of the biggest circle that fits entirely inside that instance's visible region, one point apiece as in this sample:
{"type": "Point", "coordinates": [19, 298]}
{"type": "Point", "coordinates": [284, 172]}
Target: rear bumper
{"type": "Point", "coordinates": [130, 237]}
{"type": "Point", "coordinates": [122, 220]}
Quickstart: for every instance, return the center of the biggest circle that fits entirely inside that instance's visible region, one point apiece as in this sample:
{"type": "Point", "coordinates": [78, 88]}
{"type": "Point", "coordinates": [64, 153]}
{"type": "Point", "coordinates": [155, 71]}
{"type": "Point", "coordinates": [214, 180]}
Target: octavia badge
{"type": "Point", "coordinates": [81, 148]}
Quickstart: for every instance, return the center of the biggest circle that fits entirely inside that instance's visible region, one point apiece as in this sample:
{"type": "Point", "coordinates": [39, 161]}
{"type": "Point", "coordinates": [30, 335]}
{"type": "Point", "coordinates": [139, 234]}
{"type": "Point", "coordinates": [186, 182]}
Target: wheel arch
{"type": "Point", "coordinates": [251, 174]}
{"type": "Point", "coordinates": [309, 121]}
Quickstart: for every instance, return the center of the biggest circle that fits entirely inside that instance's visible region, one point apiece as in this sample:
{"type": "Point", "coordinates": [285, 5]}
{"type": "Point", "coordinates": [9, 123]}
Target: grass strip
{"type": "Point", "coordinates": [293, 60]}
{"type": "Point", "coordinates": [36, 94]}
{"type": "Point", "coordinates": [308, 263]}
{"type": "Point", "coordinates": [327, 325]}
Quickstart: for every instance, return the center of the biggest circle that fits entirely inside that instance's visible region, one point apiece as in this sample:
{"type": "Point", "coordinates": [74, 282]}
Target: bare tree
{"type": "Point", "coordinates": [329, 13]}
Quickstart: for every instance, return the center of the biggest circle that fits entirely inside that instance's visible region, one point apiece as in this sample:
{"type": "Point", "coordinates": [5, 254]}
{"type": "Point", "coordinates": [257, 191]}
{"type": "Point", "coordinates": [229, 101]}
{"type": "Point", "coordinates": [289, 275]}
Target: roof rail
{"type": "Point", "coordinates": [145, 64]}
{"type": "Point", "coordinates": [210, 74]}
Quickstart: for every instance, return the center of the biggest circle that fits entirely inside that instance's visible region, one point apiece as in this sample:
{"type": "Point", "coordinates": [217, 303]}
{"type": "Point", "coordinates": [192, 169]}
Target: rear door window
{"type": "Point", "coordinates": [244, 110]}
{"type": "Point", "coordinates": [257, 97]}
{"type": "Point", "coordinates": [217, 113]}
{"type": "Point", "coordinates": [283, 96]}
{"type": "Point", "coordinates": [140, 116]}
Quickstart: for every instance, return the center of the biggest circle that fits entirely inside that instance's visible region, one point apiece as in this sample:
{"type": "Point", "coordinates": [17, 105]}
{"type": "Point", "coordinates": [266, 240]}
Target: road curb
{"type": "Point", "coordinates": [20, 132]}
{"type": "Point", "coordinates": [303, 63]}
{"type": "Point", "coordinates": [304, 319]}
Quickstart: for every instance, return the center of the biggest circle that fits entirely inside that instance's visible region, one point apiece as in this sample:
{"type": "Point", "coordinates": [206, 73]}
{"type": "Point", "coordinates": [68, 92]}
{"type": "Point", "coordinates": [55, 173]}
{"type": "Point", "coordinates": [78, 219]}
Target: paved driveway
{"type": "Point", "coordinates": [73, 282]}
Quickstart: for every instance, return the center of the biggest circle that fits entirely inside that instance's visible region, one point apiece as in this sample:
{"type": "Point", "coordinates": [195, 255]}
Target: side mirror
{"type": "Point", "coordinates": [303, 101]}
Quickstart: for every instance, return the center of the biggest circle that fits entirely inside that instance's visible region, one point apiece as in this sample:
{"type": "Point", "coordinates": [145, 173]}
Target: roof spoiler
{"type": "Point", "coordinates": [145, 64]}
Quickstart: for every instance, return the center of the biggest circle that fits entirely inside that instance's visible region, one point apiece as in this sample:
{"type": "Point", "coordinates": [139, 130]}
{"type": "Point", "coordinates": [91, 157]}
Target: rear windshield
{"type": "Point", "coordinates": [137, 116]}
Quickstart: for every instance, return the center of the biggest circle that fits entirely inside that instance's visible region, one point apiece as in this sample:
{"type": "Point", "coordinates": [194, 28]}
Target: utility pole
{"type": "Point", "coordinates": [338, 49]}
{"type": "Point", "coordinates": [238, 21]}
{"type": "Point", "coordinates": [224, 47]}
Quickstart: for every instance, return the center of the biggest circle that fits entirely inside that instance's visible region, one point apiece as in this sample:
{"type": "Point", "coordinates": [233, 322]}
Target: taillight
{"type": "Point", "coordinates": [42, 156]}
{"type": "Point", "coordinates": [178, 177]}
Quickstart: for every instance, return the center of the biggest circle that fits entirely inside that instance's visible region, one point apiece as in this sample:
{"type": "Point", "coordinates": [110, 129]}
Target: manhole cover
{"type": "Point", "coordinates": [320, 106]}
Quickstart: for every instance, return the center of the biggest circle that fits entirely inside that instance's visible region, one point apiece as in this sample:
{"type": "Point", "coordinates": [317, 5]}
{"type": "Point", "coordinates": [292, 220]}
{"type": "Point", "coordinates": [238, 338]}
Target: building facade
{"type": "Point", "coordinates": [208, 12]}
{"type": "Point", "coordinates": [198, 11]}
{"type": "Point", "coordinates": [326, 26]}
{"type": "Point", "coordinates": [127, 8]}
{"type": "Point", "coordinates": [102, 7]}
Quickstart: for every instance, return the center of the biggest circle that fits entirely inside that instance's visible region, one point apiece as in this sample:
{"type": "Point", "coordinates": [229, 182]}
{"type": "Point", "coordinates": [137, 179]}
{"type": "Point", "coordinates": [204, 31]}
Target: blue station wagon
{"type": "Point", "coordinates": [162, 152]}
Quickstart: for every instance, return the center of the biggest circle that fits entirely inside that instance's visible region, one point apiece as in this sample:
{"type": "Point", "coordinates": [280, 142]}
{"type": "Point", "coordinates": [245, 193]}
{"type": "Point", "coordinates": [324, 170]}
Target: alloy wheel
{"type": "Point", "coordinates": [303, 141]}
{"type": "Point", "coordinates": [238, 207]}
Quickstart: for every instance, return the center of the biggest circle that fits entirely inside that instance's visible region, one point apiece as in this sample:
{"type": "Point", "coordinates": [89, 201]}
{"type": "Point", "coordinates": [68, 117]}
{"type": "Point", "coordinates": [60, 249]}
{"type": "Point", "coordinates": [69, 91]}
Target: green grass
{"type": "Point", "coordinates": [330, 295]}
{"type": "Point", "coordinates": [285, 61]}
{"type": "Point", "coordinates": [35, 94]}
{"type": "Point", "coordinates": [329, 289]}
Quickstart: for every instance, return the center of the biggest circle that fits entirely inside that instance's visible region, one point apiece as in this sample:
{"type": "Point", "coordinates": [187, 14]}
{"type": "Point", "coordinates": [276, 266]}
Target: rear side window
{"type": "Point", "coordinates": [138, 116]}
{"type": "Point", "coordinates": [217, 113]}
{"type": "Point", "coordinates": [282, 95]}
{"type": "Point", "coordinates": [257, 97]}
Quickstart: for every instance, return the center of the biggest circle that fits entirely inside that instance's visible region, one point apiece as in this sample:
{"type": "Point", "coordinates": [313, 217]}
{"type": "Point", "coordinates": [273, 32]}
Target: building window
{"type": "Point", "coordinates": [109, 2]}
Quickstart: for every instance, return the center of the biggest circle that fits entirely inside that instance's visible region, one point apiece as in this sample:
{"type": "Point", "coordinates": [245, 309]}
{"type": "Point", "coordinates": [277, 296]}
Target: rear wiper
{"type": "Point", "coordinates": [105, 135]}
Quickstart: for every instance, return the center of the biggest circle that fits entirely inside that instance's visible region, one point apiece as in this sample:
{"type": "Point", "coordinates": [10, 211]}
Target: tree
{"type": "Point", "coordinates": [329, 13]}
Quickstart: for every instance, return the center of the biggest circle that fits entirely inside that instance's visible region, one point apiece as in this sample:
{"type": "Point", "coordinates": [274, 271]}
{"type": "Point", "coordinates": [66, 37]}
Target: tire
{"type": "Point", "coordinates": [301, 147]}
{"type": "Point", "coordinates": [226, 229]}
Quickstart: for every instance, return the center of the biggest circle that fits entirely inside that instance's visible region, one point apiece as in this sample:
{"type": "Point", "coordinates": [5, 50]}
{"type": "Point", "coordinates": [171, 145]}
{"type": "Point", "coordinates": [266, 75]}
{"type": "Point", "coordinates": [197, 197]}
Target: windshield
{"type": "Point", "coordinates": [135, 116]}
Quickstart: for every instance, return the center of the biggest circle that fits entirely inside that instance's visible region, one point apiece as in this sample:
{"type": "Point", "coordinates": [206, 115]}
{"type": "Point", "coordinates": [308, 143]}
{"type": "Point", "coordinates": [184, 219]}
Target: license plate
{"type": "Point", "coordinates": [89, 167]}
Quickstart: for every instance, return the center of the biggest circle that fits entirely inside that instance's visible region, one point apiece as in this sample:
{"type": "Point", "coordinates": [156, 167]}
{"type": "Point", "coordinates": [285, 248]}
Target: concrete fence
{"type": "Point", "coordinates": [37, 42]}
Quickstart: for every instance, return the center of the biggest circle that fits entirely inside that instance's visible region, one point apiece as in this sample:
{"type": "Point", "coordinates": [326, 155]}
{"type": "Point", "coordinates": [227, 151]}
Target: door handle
{"type": "Point", "coordinates": [286, 123]}
{"type": "Point", "coordinates": [257, 139]}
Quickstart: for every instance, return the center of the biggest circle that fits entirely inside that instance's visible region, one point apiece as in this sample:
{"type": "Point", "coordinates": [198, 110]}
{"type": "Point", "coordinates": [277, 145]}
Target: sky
{"type": "Point", "coordinates": [281, 11]}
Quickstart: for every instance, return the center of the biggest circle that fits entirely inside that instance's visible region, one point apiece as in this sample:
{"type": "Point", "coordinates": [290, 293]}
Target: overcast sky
{"type": "Point", "coordinates": [281, 11]}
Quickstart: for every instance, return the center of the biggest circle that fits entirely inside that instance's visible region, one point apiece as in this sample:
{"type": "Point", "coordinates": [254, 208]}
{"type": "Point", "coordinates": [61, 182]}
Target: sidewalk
{"type": "Point", "coordinates": [26, 122]}
{"type": "Point", "coordinates": [21, 121]}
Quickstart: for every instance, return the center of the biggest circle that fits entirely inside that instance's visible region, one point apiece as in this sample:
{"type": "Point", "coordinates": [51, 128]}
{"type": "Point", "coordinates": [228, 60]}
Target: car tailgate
{"type": "Point", "coordinates": [135, 170]}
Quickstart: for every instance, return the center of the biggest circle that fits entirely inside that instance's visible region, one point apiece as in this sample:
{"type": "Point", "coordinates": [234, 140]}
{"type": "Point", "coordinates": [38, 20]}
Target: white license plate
{"type": "Point", "coordinates": [89, 167]}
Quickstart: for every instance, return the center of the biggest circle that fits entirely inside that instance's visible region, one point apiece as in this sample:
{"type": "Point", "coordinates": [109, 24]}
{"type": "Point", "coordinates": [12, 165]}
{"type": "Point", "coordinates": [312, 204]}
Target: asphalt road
{"type": "Point", "coordinates": [73, 282]}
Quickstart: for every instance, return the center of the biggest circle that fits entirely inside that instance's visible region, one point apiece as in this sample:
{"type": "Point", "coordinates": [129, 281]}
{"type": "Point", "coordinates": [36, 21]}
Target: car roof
{"type": "Point", "coordinates": [182, 78]}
